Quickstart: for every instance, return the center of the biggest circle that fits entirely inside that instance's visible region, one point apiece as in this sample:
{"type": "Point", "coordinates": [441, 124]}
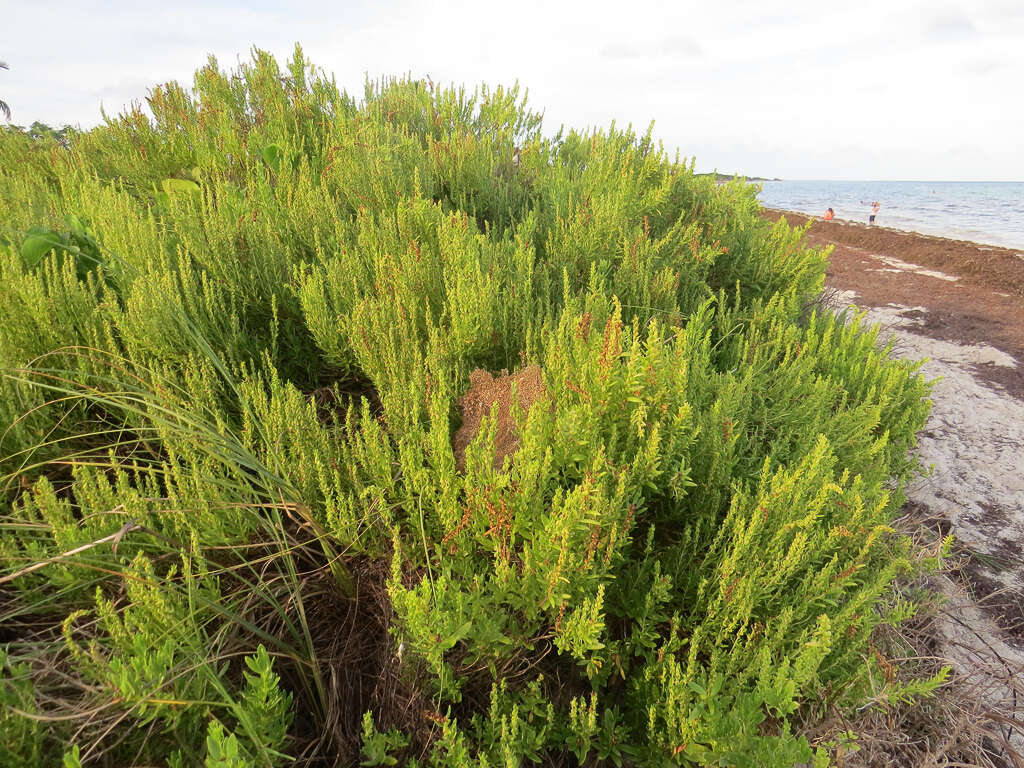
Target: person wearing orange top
{"type": "Point", "coordinates": [829, 215]}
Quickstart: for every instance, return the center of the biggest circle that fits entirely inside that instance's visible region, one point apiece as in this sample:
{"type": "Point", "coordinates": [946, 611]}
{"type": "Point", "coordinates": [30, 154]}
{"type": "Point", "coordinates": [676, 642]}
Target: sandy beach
{"type": "Point", "coordinates": [961, 306]}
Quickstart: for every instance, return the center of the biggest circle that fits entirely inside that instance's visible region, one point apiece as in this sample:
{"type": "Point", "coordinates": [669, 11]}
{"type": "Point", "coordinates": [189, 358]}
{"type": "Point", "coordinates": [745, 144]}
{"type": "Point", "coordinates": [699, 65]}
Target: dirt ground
{"type": "Point", "coordinates": [485, 391]}
{"type": "Point", "coordinates": [960, 306]}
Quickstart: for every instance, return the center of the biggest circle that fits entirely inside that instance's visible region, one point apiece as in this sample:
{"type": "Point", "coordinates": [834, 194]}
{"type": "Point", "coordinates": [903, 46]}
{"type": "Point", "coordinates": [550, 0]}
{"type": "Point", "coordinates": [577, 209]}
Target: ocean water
{"type": "Point", "coordinates": [980, 211]}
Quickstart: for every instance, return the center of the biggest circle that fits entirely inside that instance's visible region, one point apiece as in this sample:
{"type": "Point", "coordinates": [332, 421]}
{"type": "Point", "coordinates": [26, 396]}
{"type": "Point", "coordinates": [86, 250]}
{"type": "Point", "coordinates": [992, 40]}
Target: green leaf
{"type": "Point", "coordinates": [37, 246]}
{"type": "Point", "coordinates": [222, 748]}
{"type": "Point", "coordinates": [72, 758]}
{"type": "Point", "coordinates": [179, 186]}
{"type": "Point", "coordinates": [457, 635]}
{"type": "Point", "coordinates": [272, 156]}
{"type": "Point", "coordinates": [75, 225]}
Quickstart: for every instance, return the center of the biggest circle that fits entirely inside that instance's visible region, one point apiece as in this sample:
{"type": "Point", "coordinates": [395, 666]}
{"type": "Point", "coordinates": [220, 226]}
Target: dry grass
{"type": "Point", "coordinates": [361, 668]}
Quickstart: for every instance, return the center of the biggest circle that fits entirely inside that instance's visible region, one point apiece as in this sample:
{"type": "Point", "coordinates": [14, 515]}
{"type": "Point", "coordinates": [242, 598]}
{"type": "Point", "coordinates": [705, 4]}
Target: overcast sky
{"type": "Point", "coordinates": [884, 89]}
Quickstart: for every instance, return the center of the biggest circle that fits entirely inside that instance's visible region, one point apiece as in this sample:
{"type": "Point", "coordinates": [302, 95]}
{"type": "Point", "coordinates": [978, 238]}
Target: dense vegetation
{"type": "Point", "coordinates": [233, 339]}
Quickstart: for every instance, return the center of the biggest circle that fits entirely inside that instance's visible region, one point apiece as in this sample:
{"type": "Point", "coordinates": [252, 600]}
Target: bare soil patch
{"type": "Point", "coordinates": [485, 391]}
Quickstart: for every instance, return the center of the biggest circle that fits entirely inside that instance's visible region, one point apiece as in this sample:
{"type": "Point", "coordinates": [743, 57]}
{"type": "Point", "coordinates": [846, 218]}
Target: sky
{"type": "Point", "coordinates": [881, 89]}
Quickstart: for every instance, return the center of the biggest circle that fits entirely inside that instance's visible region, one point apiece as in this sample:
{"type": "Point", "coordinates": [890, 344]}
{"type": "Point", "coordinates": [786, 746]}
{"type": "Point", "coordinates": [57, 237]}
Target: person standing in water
{"type": "Point", "coordinates": [874, 212]}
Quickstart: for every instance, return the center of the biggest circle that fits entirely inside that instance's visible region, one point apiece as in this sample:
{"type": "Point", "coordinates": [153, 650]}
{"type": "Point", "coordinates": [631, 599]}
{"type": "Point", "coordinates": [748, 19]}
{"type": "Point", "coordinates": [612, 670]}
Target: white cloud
{"type": "Point", "coordinates": [674, 46]}
{"type": "Point", "coordinates": [950, 24]}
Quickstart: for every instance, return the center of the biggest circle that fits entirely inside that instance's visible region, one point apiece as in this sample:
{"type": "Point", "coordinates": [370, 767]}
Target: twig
{"type": "Point", "coordinates": [115, 537]}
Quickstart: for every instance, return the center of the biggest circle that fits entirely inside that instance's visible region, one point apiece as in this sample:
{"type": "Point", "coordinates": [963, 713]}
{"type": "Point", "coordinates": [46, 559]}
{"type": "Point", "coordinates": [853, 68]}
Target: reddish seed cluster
{"type": "Point", "coordinates": [583, 329]}
{"type": "Point", "coordinates": [727, 425]}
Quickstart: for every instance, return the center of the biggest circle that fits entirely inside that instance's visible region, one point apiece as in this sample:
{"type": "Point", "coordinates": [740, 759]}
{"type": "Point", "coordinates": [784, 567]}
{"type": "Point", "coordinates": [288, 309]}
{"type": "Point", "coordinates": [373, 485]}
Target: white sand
{"type": "Point", "coordinates": [974, 440]}
{"type": "Point", "coordinates": [905, 266]}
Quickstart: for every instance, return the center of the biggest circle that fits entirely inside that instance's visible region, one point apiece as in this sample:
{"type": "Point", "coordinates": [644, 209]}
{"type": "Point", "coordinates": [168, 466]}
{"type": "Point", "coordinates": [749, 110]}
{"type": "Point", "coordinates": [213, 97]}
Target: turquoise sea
{"type": "Point", "coordinates": [980, 211]}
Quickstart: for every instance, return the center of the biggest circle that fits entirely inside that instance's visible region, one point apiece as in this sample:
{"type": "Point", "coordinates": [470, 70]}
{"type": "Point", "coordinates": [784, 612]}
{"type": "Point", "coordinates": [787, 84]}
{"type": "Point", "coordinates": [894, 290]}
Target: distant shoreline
{"type": "Point", "coordinates": [722, 178]}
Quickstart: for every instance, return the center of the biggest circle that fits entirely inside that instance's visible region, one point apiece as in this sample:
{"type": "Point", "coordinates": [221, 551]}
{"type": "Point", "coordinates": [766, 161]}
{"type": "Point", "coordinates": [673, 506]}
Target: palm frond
{"type": "Point", "coordinates": [3, 104]}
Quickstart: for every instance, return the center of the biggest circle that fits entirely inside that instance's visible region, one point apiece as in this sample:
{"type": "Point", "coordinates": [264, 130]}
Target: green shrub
{"type": "Point", "coordinates": [234, 340]}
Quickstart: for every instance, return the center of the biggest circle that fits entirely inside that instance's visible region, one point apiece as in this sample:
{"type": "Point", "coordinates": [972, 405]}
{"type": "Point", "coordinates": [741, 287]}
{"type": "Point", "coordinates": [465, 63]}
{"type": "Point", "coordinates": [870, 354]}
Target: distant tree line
{"type": "Point", "coordinates": [40, 130]}
{"type": "Point", "coordinates": [722, 178]}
